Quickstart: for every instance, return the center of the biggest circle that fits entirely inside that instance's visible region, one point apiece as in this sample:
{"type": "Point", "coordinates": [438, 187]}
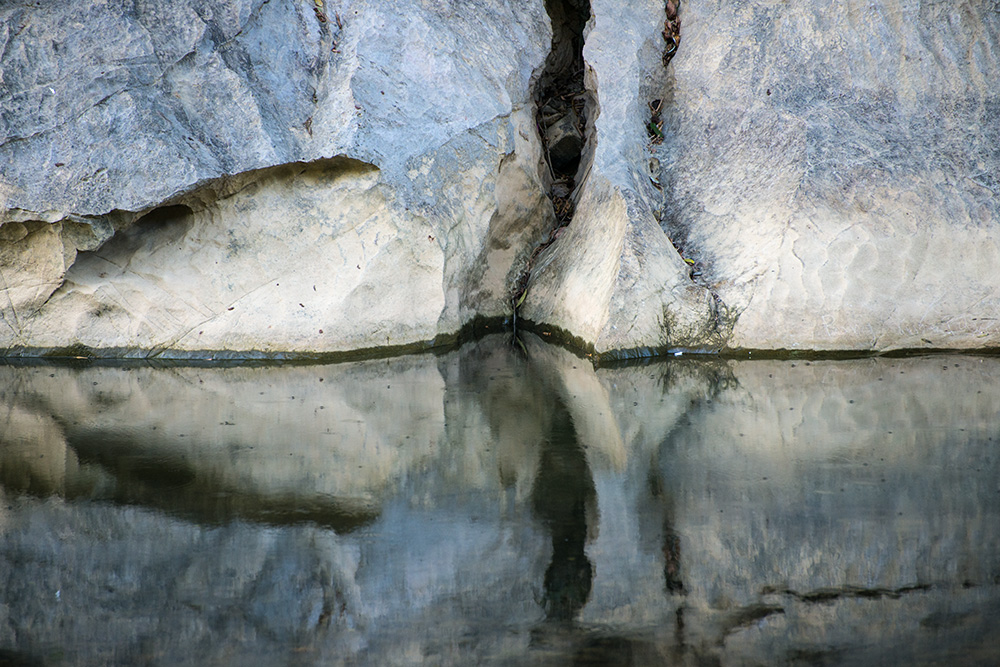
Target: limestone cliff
{"type": "Point", "coordinates": [834, 169]}
{"type": "Point", "coordinates": [264, 176]}
{"type": "Point", "coordinates": [307, 176]}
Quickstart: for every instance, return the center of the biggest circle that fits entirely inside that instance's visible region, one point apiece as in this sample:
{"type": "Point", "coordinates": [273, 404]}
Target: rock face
{"type": "Point", "coordinates": [834, 169]}
{"type": "Point", "coordinates": [828, 172]}
{"type": "Point", "coordinates": [613, 280]}
{"type": "Point", "coordinates": [286, 177]}
{"type": "Point", "coordinates": [283, 176]}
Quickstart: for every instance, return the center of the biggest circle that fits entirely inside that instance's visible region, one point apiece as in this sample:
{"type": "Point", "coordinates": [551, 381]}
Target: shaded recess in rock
{"type": "Point", "coordinates": [563, 107]}
{"type": "Point", "coordinates": [144, 477]}
{"type": "Point", "coordinates": [162, 224]}
{"type": "Point", "coordinates": [169, 221]}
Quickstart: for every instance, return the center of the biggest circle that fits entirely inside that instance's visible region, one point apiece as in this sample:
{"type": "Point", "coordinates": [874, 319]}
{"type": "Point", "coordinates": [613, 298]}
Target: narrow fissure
{"type": "Point", "coordinates": [562, 109]}
{"type": "Point", "coordinates": [671, 43]}
{"type": "Point", "coordinates": [825, 595]}
{"type": "Point", "coordinates": [678, 235]}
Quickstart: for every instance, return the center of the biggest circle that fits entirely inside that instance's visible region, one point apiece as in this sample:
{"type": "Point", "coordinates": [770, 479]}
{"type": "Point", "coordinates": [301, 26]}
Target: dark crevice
{"type": "Point", "coordinates": [671, 42]}
{"type": "Point", "coordinates": [830, 594]}
{"type": "Point", "coordinates": [695, 261]}
{"type": "Point", "coordinates": [671, 30]}
{"type": "Point", "coordinates": [563, 110]}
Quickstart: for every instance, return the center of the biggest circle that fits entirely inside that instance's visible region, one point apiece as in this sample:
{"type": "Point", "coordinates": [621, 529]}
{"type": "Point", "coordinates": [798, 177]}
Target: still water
{"type": "Point", "coordinates": [502, 504]}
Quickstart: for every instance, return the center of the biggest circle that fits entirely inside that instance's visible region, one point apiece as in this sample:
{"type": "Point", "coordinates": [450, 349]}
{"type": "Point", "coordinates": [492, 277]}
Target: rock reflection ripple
{"type": "Point", "coordinates": [500, 505]}
{"type": "Point", "coordinates": [563, 494]}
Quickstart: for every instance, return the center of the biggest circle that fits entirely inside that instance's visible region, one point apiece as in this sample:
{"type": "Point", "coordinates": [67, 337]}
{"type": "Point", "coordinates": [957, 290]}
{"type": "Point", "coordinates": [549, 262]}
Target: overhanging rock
{"type": "Point", "coordinates": [348, 175]}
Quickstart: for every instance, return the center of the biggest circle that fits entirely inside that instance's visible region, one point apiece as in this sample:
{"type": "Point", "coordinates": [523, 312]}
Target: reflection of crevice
{"type": "Point", "coordinates": [564, 110]}
{"type": "Point", "coordinates": [672, 560]}
{"type": "Point", "coordinates": [837, 593]}
{"type": "Point", "coordinates": [670, 540]}
{"type": "Point", "coordinates": [562, 498]}
{"type": "Point", "coordinates": [680, 639]}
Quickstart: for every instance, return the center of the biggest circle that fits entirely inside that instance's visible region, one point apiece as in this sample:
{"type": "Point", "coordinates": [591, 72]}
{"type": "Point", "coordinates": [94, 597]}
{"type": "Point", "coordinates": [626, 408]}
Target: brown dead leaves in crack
{"type": "Point", "coordinates": [671, 31]}
{"type": "Point", "coordinates": [672, 36]}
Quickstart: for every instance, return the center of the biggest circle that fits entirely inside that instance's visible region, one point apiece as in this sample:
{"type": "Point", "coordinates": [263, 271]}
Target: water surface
{"type": "Point", "coordinates": [502, 505]}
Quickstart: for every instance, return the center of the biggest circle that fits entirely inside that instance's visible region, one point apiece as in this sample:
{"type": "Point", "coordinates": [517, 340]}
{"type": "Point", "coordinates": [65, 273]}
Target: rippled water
{"type": "Point", "coordinates": [502, 505]}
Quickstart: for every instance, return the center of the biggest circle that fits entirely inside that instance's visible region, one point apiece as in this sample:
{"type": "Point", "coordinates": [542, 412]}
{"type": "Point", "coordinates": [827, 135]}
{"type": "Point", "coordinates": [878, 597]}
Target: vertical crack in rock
{"type": "Point", "coordinates": [563, 107]}
{"type": "Point", "coordinates": [678, 236]}
{"type": "Point", "coordinates": [671, 30]}
{"type": "Point", "coordinates": [672, 41]}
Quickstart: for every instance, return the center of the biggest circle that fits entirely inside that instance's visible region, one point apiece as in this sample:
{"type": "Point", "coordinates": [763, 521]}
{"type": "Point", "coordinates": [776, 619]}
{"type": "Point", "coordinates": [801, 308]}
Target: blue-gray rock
{"type": "Point", "coordinates": [833, 167]}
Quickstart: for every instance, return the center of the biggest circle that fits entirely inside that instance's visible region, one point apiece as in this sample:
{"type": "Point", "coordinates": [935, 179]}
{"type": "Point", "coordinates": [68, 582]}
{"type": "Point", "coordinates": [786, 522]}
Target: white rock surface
{"type": "Point", "coordinates": [244, 113]}
{"type": "Point", "coordinates": [829, 172]}
{"type": "Point", "coordinates": [834, 167]}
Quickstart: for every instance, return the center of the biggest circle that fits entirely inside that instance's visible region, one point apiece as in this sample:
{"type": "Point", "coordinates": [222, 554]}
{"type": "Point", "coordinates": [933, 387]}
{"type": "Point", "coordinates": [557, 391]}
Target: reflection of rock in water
{"type": "Point", "coordinates": [672, 560]}
{"type": "Point", "coordinates": [18, 659]}
{"type": "Point", "coordinates": [670, 540]}
{"type": "Point", "coordinates": [564, 488]}
{"type": "Point", "coordinates": [136, 475]}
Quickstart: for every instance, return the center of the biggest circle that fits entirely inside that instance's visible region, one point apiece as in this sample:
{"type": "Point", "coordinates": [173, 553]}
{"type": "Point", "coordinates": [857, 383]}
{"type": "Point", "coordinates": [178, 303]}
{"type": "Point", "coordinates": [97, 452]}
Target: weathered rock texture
{"type": "Point", "coordinates": [834, 168]}
{"type": "Point", "coordinates": [829, 169]}
{"type": "Point", "coordinates": [341, 175]}
{"type": "Point", "coordinates": [395, 511]}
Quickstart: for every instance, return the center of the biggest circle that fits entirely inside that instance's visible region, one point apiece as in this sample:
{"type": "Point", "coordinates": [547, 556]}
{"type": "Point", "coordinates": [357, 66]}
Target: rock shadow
{"type": "Point", "coordinates": [564, 499]}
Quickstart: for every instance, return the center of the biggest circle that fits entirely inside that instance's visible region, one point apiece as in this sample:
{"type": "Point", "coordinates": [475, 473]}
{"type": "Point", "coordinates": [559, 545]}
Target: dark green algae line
{"type": "Point", "coordinates": [477, 329]}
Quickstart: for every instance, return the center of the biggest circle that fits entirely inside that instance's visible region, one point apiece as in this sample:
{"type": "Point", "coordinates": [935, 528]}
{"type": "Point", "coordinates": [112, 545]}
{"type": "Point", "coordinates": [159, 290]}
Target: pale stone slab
{"type": "Point", "coordinates": [834, 167]}
{"type": "Point", "coordinates": [246, 114]}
